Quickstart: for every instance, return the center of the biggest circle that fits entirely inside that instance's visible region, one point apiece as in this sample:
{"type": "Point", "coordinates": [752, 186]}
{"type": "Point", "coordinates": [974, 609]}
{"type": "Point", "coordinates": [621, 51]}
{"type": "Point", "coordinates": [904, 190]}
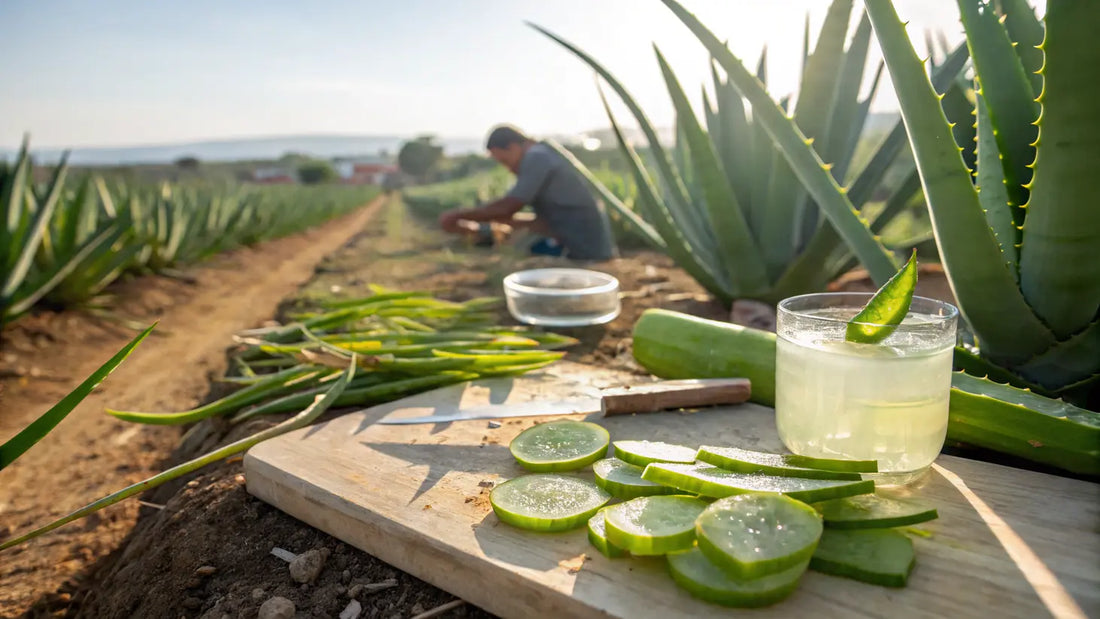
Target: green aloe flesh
{"type": "Point", "coordinates": [712, 481]}
{"type": "Point", "coordinates": [623, 480]}
{"type": "Point", "coordinates": [753, 535]}
{"type": "Point", "coordinates": [654, 525]}
{"type": "Point", "coordinates": [559, 445]}
{"type": "Point", "coordinates": [547, 502]}
{"type": "Point", "coordinates": [887, 308]}
{"type": "Point", "coordinates": [872, 511]}
{"type": "Point", "coordinates": [597, 536]}
{"type": "Point", "coordinates": [641, 453]}
{"type": "Point", "coordinates": [877, 556]}
{"type": "Point", "coordinates": [746, 461]}
{"type": "Point", "coordinates": [699, 576]}
{"type": "Point", "coordinates": [831, 464]}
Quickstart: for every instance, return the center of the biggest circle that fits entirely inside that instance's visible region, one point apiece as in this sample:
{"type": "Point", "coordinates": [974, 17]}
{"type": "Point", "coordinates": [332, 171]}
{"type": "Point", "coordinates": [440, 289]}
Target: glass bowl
{"type": "Point", "coordinates": [562, 297]}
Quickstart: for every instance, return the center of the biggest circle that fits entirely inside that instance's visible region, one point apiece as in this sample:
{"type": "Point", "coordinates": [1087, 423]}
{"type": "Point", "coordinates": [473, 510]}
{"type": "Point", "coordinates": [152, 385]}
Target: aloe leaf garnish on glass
{"type": "Point", "coordinates": [886, 309]}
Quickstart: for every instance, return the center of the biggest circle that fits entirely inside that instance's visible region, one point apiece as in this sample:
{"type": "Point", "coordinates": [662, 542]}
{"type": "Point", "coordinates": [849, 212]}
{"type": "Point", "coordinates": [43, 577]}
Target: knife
{"type": "Point", "coordinates": [645, 398]}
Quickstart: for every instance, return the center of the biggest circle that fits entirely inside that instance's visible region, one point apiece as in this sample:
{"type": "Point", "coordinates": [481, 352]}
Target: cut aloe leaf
{"type": "Point", "coordinates": [746, 461]}
{"type": "Point", "coordinates": [700, 577]}
{"type": "Point", "coordinates": [641, 453]}
{"type": "Point", "coordinates": [877, 556]}
{"type": "Point", "coordinates": [597, 536]}
{"type": "Point", "coordinates": [753, 535]}
{"type": "Point", "coordinates": [654, 525]}
{"type": "Point", "coordinates": [872, 511]}
{"type": "Point", "coordinates": [712, 481]}
{"type": "Point", "coordinates": [547, 502]}
{"type": "Point", "coordinates": [887, 308]}
{"type": "Point", "coordinates": [830, 464]}
{"type": "Point", "coordinates": [623, 480]}
{"type": "Point", "coordinates": [559, 446]}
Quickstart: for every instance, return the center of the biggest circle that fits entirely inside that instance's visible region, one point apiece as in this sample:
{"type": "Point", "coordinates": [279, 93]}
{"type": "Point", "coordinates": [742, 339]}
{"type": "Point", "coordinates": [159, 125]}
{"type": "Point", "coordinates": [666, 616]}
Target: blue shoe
{"type": "Point", "coordinates": [547, 247]}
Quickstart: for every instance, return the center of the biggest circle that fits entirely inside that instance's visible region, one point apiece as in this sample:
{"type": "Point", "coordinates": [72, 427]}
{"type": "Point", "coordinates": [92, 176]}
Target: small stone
{"type": "Point", "coordinates": [416, 609]}
{"type": "Point", "coordinates": [345, 576]}
{"type": "Point", "coordinates": [277, 608]}
{"type": "Point", "coordinates": [258, 594]}
{"type": "Point", "coordinates": [485, 484]}
{"type": "Point", "coordinates": [194, 483]}
{"type": "Point", "coordinates": [193, 583]}
{"type": "Point", "coordinates": [206, 570]}
{"type": "Point", "coordinates": [341, 589]}
{"type": "Point", "coordinates": [352, 610]}
{"type": "Point", "coordinates": [304, 587]}
{"type": "Point", "coordinates": [191, 603]}
{"type": "Point", "coordinates": [354, 591]}
{"type": "Point", "coordinates": [307, 566]}
{"type": "Point", "coordinates": [493, 425]}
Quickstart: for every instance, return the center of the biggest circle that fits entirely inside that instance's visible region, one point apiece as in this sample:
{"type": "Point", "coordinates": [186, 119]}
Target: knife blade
{"type": "Point", "coordinates": [644, 398]}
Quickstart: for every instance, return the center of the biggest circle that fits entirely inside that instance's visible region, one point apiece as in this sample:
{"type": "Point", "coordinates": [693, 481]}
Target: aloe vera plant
{"type": "Point", "coordinates": [728, 204]}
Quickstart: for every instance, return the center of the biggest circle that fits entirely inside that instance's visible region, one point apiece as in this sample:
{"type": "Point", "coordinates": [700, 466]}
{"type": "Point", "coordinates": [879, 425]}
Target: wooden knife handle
{"type": "Point", "coordinates": [676, 394]}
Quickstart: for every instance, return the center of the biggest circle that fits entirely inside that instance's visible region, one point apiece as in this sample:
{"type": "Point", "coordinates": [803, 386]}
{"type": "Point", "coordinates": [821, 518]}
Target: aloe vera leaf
{"type": "Point", "coordinates": [861, 121]}
{"type": "Point", "coordinates": [39, 428]}
{"type": "Point", "coordinates": [762, 152]}
{"type": "Point", "coordinates": [878, 556]}
{"type": "Point", "coordinates": [780, 229]}
{"type": "Point", "coordinates": [987, 293]}
{"type": "Point", "coordinates": [680, 248]}
{"type": "Point", "coordinates": [901, 197]}
{"type": "Point", "coordinates": [846, 105]}
{"type": "Point", "coordinates": [679, 204]}
{"type": "Point", "coordinates": [1069, 361]}
{"type": "Point", "coordinates": [1059, 272]}
{"type": "Point", "coordinates": [806, 164]}
{"type": "Point", "coordinates": [1021, 423]}
{"type": "Point", "coordinates": [1027, 33]}
{"type": "Point", "coordinates": [27, 298]}
{"type": "Point", "coordinates": [992, 193]}
{"type": "Point", "coordinates": [639, 226]}
{"type": "Point", "coordinates": [1007, 91]}
{"type": "Point", "coordinates": [976, 365]}
{"type": "Point", "coordinates": [30, 241]}
{"type": "Point", "coordinates": [733, 140]}
{"type": "Point", "coordinates": [11, 199]}
{"type": "Point", "coordinates": [735, 244]}
{"type": "Point", "coordinates": [302, 419]}
{"type": "Point", "coordinates": [887, 308]}
{"type": "Point", "coordinates": [959, 111]}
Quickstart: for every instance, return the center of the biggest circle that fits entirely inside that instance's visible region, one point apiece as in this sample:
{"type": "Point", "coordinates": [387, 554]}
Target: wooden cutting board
{"type": "Point", "coordinates": [1008, 543]}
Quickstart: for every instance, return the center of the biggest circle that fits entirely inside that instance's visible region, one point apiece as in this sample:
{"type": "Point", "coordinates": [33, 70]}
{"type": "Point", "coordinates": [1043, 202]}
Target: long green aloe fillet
{"type": "Point", "coordinates": [1059, 270]}
{"type": "Point", "coordinates": [39, 428]}
{"type": "Point", "coordinates": [799, 153]}
{"type": "Point", "coordinates": [982, 413]}
{"type": "Point", "coordinates": [887, 308]}
{"type": "Point", "coordinates": [987, 294]}
{"type": "Point", "coordinates": [302, 419]}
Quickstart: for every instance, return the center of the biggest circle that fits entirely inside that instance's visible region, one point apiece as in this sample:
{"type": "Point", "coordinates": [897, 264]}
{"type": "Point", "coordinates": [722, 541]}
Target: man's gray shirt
{"type": "Point", "coordinates": [558, 194]}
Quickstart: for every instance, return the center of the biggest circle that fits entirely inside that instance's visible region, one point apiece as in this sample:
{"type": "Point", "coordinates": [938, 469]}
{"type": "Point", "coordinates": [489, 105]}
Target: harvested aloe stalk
{"type": "Point", "coordinates": [597, 536]}
{"type": "Point", "coordinates": [712, 481]}
{"type": "Point", "coordinates": [641, 453]}
{"type": "Point", "coordinates": [753, 535]}
{"type": "Point", "coordinates": [872, 511]}
{"type": "Point", "coordinates": [877, 556]}
{"type": "Point", "coordinates": [700, 577]}
{"type": "Point", "coordinates": [624, 480]}
{"type": "Point", "coordinates": [654, 525]}
{"type": "Point", "coordinates": [746, 461]}
{"type": "Point", "coordinates": [559, 446]}
{"type": "Point", "coordinates": [547, 502]}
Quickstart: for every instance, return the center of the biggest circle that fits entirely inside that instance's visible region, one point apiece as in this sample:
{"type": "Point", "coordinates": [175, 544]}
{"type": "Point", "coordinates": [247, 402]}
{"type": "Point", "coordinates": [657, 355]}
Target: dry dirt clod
{"type": "Point", "coordinates": [307, 566]}
{"type": "Point", "coordinates": [345, 576]}
{"type": "Point", "coordinates": [277, 608]}
{"type": "Point", "coordinates": [258, 594]}
{"type": "Point", "coordinates": [352, 610]}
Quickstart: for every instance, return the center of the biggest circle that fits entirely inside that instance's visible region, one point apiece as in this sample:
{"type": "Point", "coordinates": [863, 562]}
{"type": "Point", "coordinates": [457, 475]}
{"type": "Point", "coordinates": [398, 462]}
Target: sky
{"type": "Point", "coordinates": [125, 72]}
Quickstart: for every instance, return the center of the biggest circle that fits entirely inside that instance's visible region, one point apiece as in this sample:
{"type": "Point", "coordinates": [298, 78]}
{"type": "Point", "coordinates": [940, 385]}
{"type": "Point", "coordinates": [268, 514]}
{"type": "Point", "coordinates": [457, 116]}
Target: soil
{"type": "Point", "coordinates": [202, 547]}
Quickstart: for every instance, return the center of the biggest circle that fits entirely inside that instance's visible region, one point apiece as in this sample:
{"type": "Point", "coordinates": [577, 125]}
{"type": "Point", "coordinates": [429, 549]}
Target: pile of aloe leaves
{"type": "Point", "coordinates": [737, 527]}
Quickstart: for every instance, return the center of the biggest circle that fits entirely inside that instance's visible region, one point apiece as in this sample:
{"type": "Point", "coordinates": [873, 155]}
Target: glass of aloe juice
{"type": "Point", "coordinates": [885, 401]}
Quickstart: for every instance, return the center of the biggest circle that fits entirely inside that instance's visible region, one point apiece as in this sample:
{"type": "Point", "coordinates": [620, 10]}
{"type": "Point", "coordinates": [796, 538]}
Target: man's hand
{"type": "Point", "coordinates": [448, 220]}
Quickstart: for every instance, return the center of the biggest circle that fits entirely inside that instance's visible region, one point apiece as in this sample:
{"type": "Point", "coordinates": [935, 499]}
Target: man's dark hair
{"type": "Point", "coordinates": [504, 136]}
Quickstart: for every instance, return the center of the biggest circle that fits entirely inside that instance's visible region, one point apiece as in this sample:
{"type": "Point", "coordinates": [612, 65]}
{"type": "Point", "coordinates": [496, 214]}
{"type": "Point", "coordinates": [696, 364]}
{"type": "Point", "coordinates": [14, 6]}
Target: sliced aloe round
{"type": "Point", "coordinates": [753, 535]}
{"type": "Point", "coordinates": [641, 453]}
{"type": "Point", "coordinates": [547, 502]}
{"type": "Point", "coordinates": [653, 525]}
{"type": "Point", "coordinates": [700, 577]}
{"type": "Point", "coordinates": [624, 480]}
{"type": "Point", "coordinates": [877, 556]}
{"type": "Point", "coordinates": [560, 446]}
{"type": "Point", "coordinates": [597, 536]}
{"type": "Point", "coordinates": [872, 511]}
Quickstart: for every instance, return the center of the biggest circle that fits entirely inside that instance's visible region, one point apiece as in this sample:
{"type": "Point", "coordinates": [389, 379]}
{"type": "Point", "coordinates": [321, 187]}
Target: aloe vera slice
{"type": "Point", "coordinates": [877, 556]}
{"type": "Point", "coordinates": [641, 453]}
{"type": "Point", "coordinates": [708, 480]}
{"type": "Point", "coordinates": [746, 461]}
{"type": "Point", "coordinates": [624, 480]}
{"type": "Point", "coordinates": [753, 535]}
{"type": "Point", "coordinates": [597, 536]}
{"type": "Point", "coordinates": [547, 502]}
{"type": "Point", "coordinates": [831, 464]}
{"type": "Point", "coordinates": [887, 308]}
{"type": "Point", "coordinates": [872, 511]}
{"type": "Point", "coordinates": [559, 446]}
{"type": "Point", "coordinates": [653, 525]}
{"type": "Point", "coordinates": [700, 577]}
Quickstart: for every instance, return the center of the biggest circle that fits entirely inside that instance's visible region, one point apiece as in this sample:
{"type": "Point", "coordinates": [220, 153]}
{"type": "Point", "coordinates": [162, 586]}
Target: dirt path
{"type": "Point", "coordinates": [91, 454]}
